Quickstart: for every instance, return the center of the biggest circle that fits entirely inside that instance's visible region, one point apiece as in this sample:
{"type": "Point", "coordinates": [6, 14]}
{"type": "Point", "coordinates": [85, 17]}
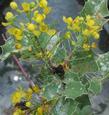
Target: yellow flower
{"type": "Point", "coordinates": [40, 110]}
{"type": "Point", "coordinates": [51, 32]}
{"type": "Point", "coordinates": [86, 32]}
{"type": "Point", "coordinates": [26, 7]}
{"type": "Point", "coordinates": [68, 20]}
{"type": "Point", "coordinates": [17, 33]}
{"type": "Point", "coordinates": [43, 27]}
{"type": "Point", "coordinates": [28, 104]}
{"type": "Point", "coordinates": [86, 46]}
{"type": "Point", "coordinates": [31, 26]}
{"type": "Point", "coordinates": [18, 46]}
{"type": "Point", "coordinates": [90, 23]}
{"type": "Point", "coordinates": [39, 18]}
{"type": "Point", "coordinates": [47, 10]}
{"type": "Point", "coordinates": [76, 27]}
{"type": "Point", "coordinates": [17, 96]}
{"type": "Point", "coordinates": [19, 38]}
{"type": "Point", "coordinates": [13, 5]}
{"type": "Point", "coordinates": [36, 89]}
{"type": "Point", "coordinates": [9, 16]}
{"type": "Point", "coordinates": [94, 45]}
{"type": "Point", "coordinates": [43, 3]}
{"type": "Point", "coordinates": [35, 13]}
{"type": "Point", "coordinates": [19, 112]}
{"type": "Point", "coordinates": [67, 35]}
{"type": "Point", "coordinates": [28, 94]}
{"type": "Point", "coordinates": [96, 35]}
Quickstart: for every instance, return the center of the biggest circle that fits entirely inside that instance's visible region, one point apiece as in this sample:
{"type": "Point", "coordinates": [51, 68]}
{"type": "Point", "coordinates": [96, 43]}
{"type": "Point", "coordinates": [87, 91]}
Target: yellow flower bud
{"type": "Point", "coordinates": [18, 46]}
{"type": "Point", "coordinates": [13, 5]}
{"type": "Point", "coordinates": [39, 18]}
{"type": "Point", "coordinates": [47, 10]}
{"type": "Point", "coordinates": [43, 3]}
{"type": "Point", "coordinates": [51, 32]}
{"type": "Point", "coordinates": [96, 35]}
{"type": "Point", "coordinates": [26, 7]}
{"type": "Point", "coordinates": [68, 20]}
{"type": "Point", "coordinates": [40, 110]}
{"type": "Point", "coordinates": [90, 23]}
{"type": "Point", "coordinates": [36, 89]}
{"type": "Point", "coordinates": [86, 32]}
{"type": "Point", "coordinates": [28, 104]}
{"type": "Point", "coordinates": [86, 46]}
{"type": "Point", "coordinates": [94, 45]}
{"type": "Point", "coordinates": [19, 38]}
{"type": "Point", "coordinates": [43, 27]}
{"type": "Point", "coordinates": [31, 26]}
{"type": "Point", "coordinates": [9, 16]}
{"type": "Point", "coordinates": [19, 112]}
{"type": "Point", "coordinates": [67, 35]}
{"type": "Point", "coordinates": [35, 13]}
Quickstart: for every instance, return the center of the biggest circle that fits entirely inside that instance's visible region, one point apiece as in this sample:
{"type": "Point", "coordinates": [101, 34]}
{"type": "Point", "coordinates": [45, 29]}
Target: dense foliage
{"type": "Point", "coordinates": [69, 75]}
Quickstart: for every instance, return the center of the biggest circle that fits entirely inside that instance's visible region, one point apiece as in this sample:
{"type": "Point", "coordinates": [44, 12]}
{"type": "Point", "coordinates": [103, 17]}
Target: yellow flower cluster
{"type": "Point", "coordinates": [23, 95]}
{"type": "Point", "coordinates": [19, 112]}
{"type": "Point", "coordinates": [87, 47]}
{"type": "Point", "coordinates": [20, 94]}
{"type": "Point", "coordinates": [38, 11]}
{"type": "Point", "coordinates": [86, 27]}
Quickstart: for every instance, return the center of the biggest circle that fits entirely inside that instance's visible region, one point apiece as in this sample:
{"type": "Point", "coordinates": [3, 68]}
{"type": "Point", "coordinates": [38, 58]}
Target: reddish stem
{"type": "Point", "coordinates": [23, 71]}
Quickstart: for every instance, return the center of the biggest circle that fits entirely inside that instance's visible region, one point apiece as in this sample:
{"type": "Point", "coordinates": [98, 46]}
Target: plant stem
{"type": "Point", "coordinates": [23, 71]}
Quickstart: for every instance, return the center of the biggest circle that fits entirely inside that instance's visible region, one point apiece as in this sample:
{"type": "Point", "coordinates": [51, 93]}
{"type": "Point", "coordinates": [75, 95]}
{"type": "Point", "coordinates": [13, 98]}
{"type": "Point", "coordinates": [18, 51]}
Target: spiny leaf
{"type": "Point", "coordinates": [51, 90]}
{"type": "Point", "coordinates": [70, 75]}
{"type": "Point", "coordinates": [83, 62]}
{"type": "Point", "coordinates": [95, 86]}
{"type": "Point", "coordinates": [65, 107]}
{"type": "Point", "coordinates": [103, 63]}
{"type": "Point", "coordinates": [98, 8]}
{"type": "Point", "coordinates": [93, 7]}
{"type": "Point", "coordinates": [74, 89]}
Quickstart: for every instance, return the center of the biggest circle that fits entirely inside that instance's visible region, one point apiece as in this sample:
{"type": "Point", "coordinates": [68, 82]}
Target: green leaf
{"type": "Point", "coordinates": [7, 48]}
{"type": "Point", "coordinates": [70, 75]}
{"type": "Point", "coordinates": [93, 7]}
{"type": "Point", "coordinates": [95, 86]}
{"type": "Point", "coordinates": [53, 44]}
{"type": "Point", "coordinates": [103, 63]}
{"type": "Point", "coordinates": [44, 40]}
{"type": "Point", "coordinates": [74, 89]}
{"type": "Point", "coordinates": [83, 62]}
{"type": "Point", "coordinates": [51, 90]}
{"type": "Point", "coordinates": [59, 55]}
{"type": "Point", "coordinates": [97, 8]}
{"type": "Point", "coordinates": [86, 110]}
{"type": "Point", "coordinates": [65, 107]}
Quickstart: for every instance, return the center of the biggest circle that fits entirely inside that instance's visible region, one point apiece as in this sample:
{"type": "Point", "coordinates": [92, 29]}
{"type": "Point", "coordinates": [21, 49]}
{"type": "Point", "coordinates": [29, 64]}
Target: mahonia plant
{"type": "Point", "coordinates": [65, 74]}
